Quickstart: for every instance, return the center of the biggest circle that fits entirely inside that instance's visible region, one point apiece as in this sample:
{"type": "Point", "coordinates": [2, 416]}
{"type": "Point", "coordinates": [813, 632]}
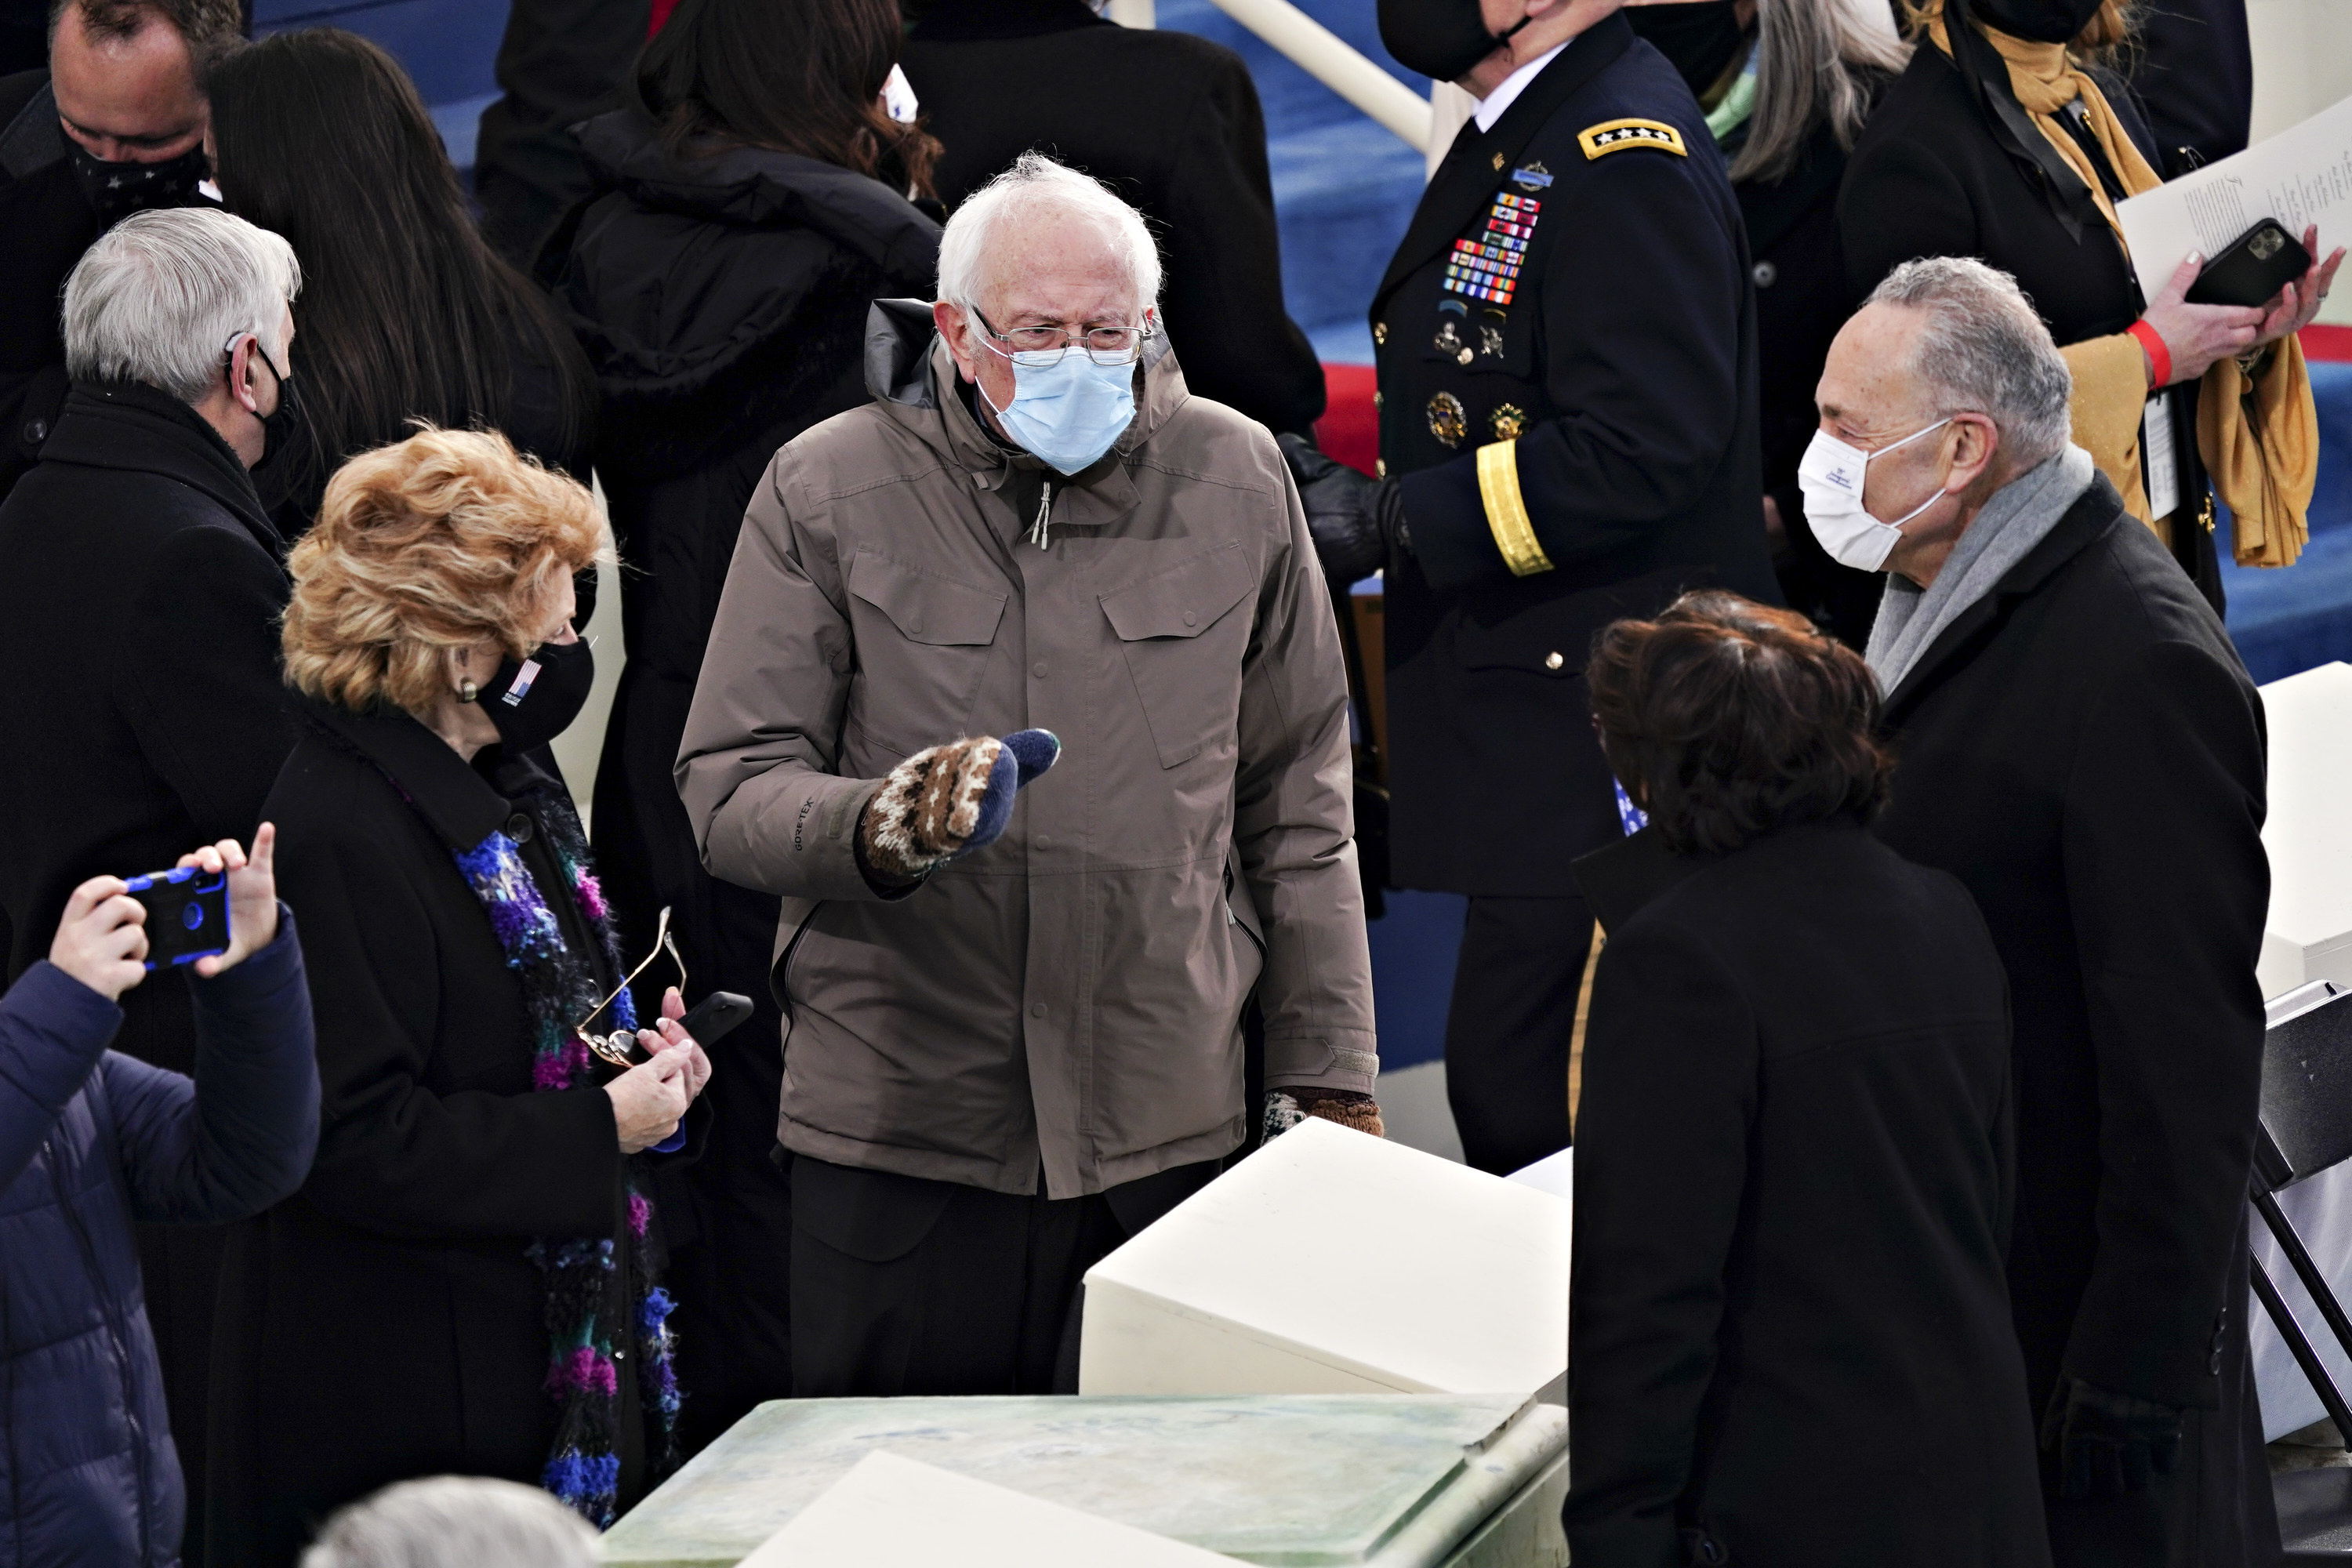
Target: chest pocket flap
{"type": "Point", "coordinates": [1184, 601]}
{"type": "Point", "coordinates": [1184, 645]}
{"type": "Point", "coordinates": [926, 608]}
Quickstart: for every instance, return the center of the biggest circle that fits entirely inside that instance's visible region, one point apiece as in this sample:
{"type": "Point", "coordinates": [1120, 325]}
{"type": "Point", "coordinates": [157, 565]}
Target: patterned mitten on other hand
{"type": "Point", "coordinates": [949, 800]}
{"type": "Point", "coordinates": [1286, 1108]}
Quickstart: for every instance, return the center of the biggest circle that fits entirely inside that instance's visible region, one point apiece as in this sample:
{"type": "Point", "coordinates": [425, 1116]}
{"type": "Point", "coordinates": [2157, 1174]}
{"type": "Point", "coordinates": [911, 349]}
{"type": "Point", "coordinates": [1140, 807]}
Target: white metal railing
{"type": "Point", "coordinates": [1325, 56]}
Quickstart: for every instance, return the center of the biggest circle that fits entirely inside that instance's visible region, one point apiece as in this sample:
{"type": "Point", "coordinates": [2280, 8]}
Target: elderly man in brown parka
{"type": "Point", "coordinates": [1004, 1059]}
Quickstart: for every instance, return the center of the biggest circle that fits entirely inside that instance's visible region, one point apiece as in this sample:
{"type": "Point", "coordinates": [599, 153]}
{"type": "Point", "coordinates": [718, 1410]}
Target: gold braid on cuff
{"type": "Point", "coordinates": [1507, 512]}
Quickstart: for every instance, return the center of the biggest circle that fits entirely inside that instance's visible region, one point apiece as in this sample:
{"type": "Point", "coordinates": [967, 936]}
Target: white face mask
{"type": "Point", "coordinates": [1829, 477]}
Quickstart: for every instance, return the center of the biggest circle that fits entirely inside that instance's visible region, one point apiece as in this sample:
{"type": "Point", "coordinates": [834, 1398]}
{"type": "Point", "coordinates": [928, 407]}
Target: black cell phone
{"type": "Point", "coordinates": [187, 914]}
{"type": "Point", "coordinates": [2258, 264]}
{"type": "Point", "coordinates": [714, 1016]}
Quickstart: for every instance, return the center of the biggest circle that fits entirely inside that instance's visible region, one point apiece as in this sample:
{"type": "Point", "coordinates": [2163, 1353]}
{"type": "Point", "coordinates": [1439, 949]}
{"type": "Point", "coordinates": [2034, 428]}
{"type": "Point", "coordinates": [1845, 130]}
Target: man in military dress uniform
{"type": "Point", "coordinates": [1567, 351]}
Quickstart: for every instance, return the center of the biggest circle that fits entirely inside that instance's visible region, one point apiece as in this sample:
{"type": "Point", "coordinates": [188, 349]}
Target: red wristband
{"type": "Point", "coordinates": [2159, 358]}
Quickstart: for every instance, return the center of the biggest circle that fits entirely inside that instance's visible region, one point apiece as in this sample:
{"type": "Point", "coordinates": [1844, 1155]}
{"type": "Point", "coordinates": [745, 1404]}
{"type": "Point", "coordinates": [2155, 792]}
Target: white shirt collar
{"type": "Point", "coordinates": [1490, 107]}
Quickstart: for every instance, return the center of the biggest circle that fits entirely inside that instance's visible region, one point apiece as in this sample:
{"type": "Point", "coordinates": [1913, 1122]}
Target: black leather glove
{"type": "Point", "coordinates": [1357, 523]}
{"type": "Point", "coordinates": [2108, 1444]}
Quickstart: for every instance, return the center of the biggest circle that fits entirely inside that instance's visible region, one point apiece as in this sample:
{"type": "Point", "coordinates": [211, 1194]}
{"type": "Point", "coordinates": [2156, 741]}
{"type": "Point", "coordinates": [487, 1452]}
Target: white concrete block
{"type": "Point", "coordinates": [1331, 1262]}
{"type": "Point", "coordinates": [2309, 832]}
{"type": "Point", "coordinates": [1554, 1174]}
{"type": "Point", "coordinates": [892, 1513]}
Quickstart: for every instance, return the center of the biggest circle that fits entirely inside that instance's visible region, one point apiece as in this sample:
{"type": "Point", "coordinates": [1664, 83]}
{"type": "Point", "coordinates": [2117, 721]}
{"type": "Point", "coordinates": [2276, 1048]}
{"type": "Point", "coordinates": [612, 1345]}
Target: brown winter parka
{"type": "Point", "coordinates": [1069, 997]}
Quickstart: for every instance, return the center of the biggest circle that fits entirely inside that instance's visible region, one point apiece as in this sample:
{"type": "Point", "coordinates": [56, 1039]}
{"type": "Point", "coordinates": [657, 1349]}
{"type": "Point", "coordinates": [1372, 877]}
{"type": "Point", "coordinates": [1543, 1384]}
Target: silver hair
{"type": "Point", "coordinates": [161, 295]}
{"type": "Point", "coordinates": [1814, 64]}
{"type": "Point", "coordinates": [455, 1521]}
{"type": "Point", "coordinates": [1984, 350]}
{"type": "Point", "coordinates": [1036, 182]}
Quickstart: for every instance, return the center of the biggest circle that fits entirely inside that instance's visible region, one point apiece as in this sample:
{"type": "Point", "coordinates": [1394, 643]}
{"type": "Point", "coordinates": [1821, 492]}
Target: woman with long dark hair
{"type": "Point", "coordinates": [754, 202]}
{"type": "Point", "coordinates": [319, 136]}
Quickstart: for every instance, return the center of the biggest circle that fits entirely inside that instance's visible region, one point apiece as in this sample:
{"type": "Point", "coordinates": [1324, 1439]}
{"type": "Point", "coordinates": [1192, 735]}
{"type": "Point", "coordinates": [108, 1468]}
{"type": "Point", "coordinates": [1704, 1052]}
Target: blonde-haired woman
{"type": "Point", "coordinates": [467, 1282]}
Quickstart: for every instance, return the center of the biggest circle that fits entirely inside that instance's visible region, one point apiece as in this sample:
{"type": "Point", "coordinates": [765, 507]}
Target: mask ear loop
{"type": "Point", "coordinates": [1940, 493]}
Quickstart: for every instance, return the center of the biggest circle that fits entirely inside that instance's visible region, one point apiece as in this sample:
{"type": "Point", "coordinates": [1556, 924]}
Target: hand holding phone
{"type": "Point", "coordinates": [187, 914]}
{"type": "Point", "coordinates": [102, 939]}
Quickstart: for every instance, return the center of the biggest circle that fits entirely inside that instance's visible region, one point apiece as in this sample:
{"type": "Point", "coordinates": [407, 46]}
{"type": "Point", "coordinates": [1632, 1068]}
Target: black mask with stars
{"type": "Point", "coordinates": [115, 191]}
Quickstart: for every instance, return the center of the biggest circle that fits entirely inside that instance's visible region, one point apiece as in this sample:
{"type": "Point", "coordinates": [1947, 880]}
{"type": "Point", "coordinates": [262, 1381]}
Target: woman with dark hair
{"type": "Point", "coordinates": [1791, 1335]}
{"type": "Point", "coordinates": [1786, 85]}
{"type": "Point", "coordinates": [755, 203]}
{"type": "Point", "coordinates": [319, 136]}
{"type": "Point", "coordinates": [2006, 140]}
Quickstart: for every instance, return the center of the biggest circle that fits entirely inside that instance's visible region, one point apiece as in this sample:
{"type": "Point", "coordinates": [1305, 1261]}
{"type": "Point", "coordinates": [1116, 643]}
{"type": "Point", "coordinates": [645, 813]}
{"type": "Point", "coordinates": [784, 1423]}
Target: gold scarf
{"type": "Point", "coordinates": [2259, 435]}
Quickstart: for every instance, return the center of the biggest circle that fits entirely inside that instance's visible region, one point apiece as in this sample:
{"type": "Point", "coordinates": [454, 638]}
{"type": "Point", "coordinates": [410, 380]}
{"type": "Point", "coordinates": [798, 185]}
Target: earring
{"type": "Point", "coordinates": [467, 691]}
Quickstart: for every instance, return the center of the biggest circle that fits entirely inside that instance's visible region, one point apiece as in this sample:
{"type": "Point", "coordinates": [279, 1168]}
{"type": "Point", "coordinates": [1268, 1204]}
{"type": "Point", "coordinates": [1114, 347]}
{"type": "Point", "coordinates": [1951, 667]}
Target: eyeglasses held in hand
{"type": "Point", "coordinates": [618, 1046]}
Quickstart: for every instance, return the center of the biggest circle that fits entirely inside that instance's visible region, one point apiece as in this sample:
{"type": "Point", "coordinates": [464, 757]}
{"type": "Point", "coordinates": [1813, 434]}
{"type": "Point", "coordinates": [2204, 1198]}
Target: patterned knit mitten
{"type": "Point", "coordinates": [1286, 1108]}
{"type": "Point", "coordinates": [949, 800]}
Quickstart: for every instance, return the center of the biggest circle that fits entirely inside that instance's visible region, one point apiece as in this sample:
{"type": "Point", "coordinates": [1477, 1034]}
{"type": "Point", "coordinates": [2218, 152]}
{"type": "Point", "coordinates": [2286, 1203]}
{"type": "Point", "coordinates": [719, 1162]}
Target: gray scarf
{"type": "Point", "coordinates": [2018, 517]}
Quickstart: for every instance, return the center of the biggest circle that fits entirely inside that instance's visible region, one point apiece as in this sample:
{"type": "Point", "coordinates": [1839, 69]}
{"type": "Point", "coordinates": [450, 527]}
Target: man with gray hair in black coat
{"type": "Point", "coordinates": [2080, 745]}
{"type": "Point", "coordinates": [139, 583]}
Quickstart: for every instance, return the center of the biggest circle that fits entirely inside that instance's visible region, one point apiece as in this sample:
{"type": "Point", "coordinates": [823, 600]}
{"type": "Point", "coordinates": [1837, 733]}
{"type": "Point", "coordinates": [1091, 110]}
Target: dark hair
{"type": "Point", "coordinates": [211, 28]}
{"type": "Point", "coordinates": [406, 313]}
{"type": "Point", "coordinates": [794, 76]}
{"type": "Point", "coordinates": [1725, 720]}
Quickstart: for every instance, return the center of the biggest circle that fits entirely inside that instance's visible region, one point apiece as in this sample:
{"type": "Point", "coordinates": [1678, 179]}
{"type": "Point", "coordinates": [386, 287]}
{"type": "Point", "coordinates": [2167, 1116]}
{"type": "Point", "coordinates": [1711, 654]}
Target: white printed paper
{"type": "Point", "coordinates": [2300, 176]}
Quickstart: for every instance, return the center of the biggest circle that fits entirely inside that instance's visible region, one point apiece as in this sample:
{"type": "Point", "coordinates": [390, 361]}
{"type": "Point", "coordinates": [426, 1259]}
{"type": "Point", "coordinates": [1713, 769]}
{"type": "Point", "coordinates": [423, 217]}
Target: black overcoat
{"type": "Point", "coordinates": [140, 587]}
{"type": "Point", "coordinates": [2083, 750]}
{"type": "Point", "coordinates": [385, 1323]}
{"type": "Point", "coordinates": [1793, 1167]}
{"type": "Point", "coordinates": [1927, 178]}
{"type": "Point", "coordinates": [722, 302]}
{"type": "Point", "coordinates": [1803, 297]}
{"type": "Point", "coordinates": [1172, 122]}
{"type": "Point", "coordinates": [45, 222]}
{"type": "Point", "coordinates": [1616, 379]}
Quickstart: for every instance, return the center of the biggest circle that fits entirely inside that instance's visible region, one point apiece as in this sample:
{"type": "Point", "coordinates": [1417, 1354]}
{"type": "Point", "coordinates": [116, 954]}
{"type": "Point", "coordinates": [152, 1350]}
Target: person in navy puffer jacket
{"type": "Point", "coordinates": [90, 1141]}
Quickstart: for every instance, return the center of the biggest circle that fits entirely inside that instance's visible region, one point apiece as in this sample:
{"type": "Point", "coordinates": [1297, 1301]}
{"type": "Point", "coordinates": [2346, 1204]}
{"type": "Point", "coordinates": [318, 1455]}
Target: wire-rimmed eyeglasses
{"type": "Point", "coordinates": [617, 1045]}
{"type": "Point", "coordinates": [1034, 348]}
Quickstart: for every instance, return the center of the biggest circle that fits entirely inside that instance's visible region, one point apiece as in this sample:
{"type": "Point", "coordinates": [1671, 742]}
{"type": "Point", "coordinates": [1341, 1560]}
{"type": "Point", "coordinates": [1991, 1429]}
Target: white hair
{"type": "Point", "coordinates": [1036, 183]}
{"type": "Point", "coordinates": [1983, 350]}
{"type": "Point", "coordinates": [455, 1521]}
{"type": "Point", "coordinates": [160, 296]}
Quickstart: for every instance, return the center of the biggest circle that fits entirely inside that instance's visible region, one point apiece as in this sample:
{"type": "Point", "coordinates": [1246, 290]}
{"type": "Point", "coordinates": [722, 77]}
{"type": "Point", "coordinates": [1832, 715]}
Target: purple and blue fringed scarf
{"type": "Point", "coordinates": [583, 1468]}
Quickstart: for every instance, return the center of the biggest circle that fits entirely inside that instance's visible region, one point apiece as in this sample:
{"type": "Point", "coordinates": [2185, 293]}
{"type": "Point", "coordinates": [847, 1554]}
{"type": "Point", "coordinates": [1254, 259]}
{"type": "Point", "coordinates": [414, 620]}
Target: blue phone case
{"type": "Point", "coordinates": [187, 914]}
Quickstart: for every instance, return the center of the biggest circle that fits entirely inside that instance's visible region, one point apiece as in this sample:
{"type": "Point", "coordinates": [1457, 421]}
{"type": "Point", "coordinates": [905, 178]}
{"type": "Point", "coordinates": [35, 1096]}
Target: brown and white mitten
{"type": "Point", "coordinates": [949, 800]}
{"type": "Point", "coordinates": [1286, 1108]}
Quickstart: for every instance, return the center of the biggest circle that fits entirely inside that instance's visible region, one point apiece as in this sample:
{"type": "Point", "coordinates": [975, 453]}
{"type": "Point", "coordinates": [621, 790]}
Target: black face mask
{"type": "Point", "coordinates": [283, 428]}
{"type": "Point", "coordinates": [2044, 21]}
{"type": "Point", "coordinates": [115, 191]}
{"type": "Point", "coordinates": [1700, 38]}
{"type": "Point", "coordinates": [1439, 39]}
{"type": "Point", "coordinates": [534, 701]}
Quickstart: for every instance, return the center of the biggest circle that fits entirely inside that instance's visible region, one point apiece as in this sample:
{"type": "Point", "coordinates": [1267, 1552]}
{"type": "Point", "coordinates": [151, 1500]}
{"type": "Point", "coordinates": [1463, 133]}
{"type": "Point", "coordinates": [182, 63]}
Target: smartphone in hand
{"type": "Point", "coordinates": [187, 914]}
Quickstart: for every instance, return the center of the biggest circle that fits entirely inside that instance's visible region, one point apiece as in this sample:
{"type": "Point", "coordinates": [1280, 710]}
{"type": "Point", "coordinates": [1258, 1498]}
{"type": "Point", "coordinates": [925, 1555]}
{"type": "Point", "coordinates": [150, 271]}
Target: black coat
{"type": "Point", "coordinates": [1628, 390]}
{"type": "Point", "coordinates": [46, 223]}
{"type": "Point", "coordinates": [2083, 750]}
{"type": "Point", "coordinates": [140, 584]}
{"type": "Point", "coordinates": [1802, 297]}
{"type": "Point", "coordinates": [385, 1323]}
{"type": "Point", "coordinates": [1172, 122]}
{"type": "Point", "coordinates": [1793, 1173]}
{"type": "Point", "coordinates": [2193, 68]}
{"type": "Point", "coordinates": [1927, 178]}
{"type": "Point", "coordinates": [722, 304]}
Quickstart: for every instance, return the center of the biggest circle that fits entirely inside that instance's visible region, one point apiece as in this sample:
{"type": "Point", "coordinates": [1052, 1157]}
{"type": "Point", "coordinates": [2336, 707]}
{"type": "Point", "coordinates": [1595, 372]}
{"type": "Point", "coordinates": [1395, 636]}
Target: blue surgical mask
{"type": "Point", "coordinates": [1069, 413]}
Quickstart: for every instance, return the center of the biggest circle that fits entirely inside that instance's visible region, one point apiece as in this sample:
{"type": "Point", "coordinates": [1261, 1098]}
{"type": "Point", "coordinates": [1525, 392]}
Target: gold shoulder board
{"type": "Point", "coordinates": [1616, 135]}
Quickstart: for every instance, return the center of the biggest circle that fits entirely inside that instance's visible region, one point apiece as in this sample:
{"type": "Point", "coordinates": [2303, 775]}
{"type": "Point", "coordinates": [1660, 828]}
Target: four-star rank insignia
{"type": "Point", "coordinates": [1448, 420]}
{"type": "Point", "coordinates": [1510, 422]}
{"type": "Point", "coordinates": [1616, 135]}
